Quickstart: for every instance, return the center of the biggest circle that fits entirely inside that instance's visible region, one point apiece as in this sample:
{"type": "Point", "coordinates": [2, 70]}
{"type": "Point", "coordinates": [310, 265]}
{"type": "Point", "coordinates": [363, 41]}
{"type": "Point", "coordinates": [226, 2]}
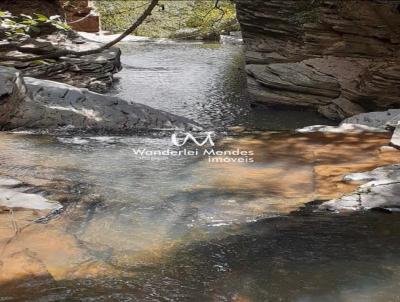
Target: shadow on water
{"type": "Point", "coordinates": [301, 257]}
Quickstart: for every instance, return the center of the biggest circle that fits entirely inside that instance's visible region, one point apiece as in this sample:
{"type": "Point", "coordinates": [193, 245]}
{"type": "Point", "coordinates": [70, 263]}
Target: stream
{"type": "Point", "coordinates": [198, 227]}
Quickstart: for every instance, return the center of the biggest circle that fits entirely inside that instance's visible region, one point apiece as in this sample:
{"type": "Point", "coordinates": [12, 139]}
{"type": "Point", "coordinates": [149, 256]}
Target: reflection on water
{"type": "Point", "coordinates": [204, 82]}
{"type": "Point", "coordinates": [184, 228]}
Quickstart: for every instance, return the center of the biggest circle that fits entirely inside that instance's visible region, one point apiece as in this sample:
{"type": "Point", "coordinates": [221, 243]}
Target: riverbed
{"type": "Point", "coordinates": [199, 227]}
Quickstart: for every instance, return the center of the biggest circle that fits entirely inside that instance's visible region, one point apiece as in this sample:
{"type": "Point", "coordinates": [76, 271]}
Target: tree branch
{"type": "Point", "coordinates": [66, 52]}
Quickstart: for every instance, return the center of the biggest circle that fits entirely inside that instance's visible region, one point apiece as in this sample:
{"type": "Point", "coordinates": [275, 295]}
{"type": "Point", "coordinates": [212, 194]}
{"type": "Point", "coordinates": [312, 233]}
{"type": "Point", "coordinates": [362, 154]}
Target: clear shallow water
{"type": "Point", "coordinates": [183, 229]}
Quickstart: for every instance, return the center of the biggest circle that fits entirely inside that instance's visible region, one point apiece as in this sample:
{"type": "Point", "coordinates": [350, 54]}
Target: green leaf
{"type": "Point", "coordinates": [41, 18]}
{"type": "Point", "coordinates": [35, 29]}
{"type": "Point", "coordinates": [5, 14]}
{"type": "Point", "coordinates": [29, 22]}
{"type": "Point", "coordinates": [60, 25]}
{"type": "Point", "coordinates": [39, 62]}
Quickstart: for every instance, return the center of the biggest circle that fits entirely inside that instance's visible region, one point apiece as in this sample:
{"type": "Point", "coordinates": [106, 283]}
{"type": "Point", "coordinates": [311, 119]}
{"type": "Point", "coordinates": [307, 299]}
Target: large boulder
{"type": "Point", "coordinates": [340, 58]}
{"type": "Point", "coordinates": [35, 104]}
{"type": "Point", "coordinates": [12, 94]}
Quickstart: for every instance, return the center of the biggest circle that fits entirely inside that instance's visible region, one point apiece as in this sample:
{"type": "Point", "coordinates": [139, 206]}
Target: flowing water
{"type": "Point", "coordinates": [195, 227]}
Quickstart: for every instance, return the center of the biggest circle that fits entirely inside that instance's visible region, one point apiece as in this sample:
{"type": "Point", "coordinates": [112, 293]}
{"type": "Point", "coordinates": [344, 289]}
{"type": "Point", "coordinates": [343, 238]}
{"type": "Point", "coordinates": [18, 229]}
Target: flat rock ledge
{"type": "Point", "coordinates": [29, 103]}
{"type": "Point", "coordinates": [381, 191]}
{"type": "Point", "coordinates": [15, 195]}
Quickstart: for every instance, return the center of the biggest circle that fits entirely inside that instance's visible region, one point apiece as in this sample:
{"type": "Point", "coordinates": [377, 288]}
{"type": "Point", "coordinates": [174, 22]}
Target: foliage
{"type": "Point", "coordinates": [212, 20]}
{"type": "Point", "coordinates": [24, 26]}
{"type": "Point", "coordinates": [171, 17]}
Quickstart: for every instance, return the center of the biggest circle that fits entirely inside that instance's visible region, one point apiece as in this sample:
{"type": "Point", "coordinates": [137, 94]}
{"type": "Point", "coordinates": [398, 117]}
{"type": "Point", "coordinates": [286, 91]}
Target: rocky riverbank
{"type": "Point", "coordinates": [338, 57]}
{"type": "Point", "coordinates": [29, 103]}
{"type": "Point", "coordinates": [380, 188]}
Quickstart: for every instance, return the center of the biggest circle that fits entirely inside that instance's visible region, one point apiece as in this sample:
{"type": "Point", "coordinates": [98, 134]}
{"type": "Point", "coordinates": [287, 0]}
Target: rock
{"type": "Point", "coordinates": [8, 182]}
{"type": "Point", "coordinates": [380, 119]}
{"type": "Point", "coordinates": [94, 72]}
{"type": "Point", "coordinates": [291, 84]}
{"type": "Point", "coordinates": [338, 58]}
{"type": "Point", "coordinates": [395, 141]}
{"type": "Point", "coordinates": [343, 128]}
{"type": "Point", "coordinates": [13, 195]}
{"type": "Point", "coordinates": [346, 203]}
{"type": "Point", "coordinates": [187, 33]}
{"type": "Point", "coordinates": [40, 104]}
{"type": "Point", "coordinates": [388, 149]}
{"type": "Point", "coordinates": [22, 265]}
{"type": "Point", "coordinates": [340, 108]}
{"type": "Point", "coordinates": [12, 199]}
{"type": "Point", "coordinates": [234, 38]}
{"type": "Point", "coordinates": [381, 190]}
{"type": "Point", "coordinates": [12, 94]}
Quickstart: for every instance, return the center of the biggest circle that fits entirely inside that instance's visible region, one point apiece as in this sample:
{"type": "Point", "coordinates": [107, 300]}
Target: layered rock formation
{"type": "Point", "coordinates": [95, 72]}
{"type": "Point", "coordinates": [35, 104]}
{"type": "Point", "coordinates": [338, 57]}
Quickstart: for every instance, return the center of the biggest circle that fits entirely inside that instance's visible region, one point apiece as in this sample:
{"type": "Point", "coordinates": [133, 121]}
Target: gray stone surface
{"type": "Point", "coordinates": [13, 196]}
{"type": "Point", "coordinates": [12, 94]}
{"type": "Point", "coordinates": [340, 108]}
{"type": "Point", "coordinates": [234, 38]}
{"type": "Point", "coordinates": [381, 190]}
{"type": "Point", "coordinates": [37, 104]}
{"type": "Point", "coordinates": [343, 128]}
{"type": "Point", "coordinates": [8, 182]}
{"type": "Point", "coordinates": [379, 119]}
{"type": "Point", "coordinates": [13, 199]}
{"type": "Point", "coordinates": [395, 141]}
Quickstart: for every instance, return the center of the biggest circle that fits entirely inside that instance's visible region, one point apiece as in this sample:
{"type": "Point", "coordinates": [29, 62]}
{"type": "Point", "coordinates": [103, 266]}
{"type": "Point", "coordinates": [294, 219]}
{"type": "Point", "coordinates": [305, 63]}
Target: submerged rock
{"type": "Point", "coordinates": [340, 58]}
{"type": "Point", "coordinates": [35, 104]}
{"type": "Point", "coordinates": [382, 190]}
